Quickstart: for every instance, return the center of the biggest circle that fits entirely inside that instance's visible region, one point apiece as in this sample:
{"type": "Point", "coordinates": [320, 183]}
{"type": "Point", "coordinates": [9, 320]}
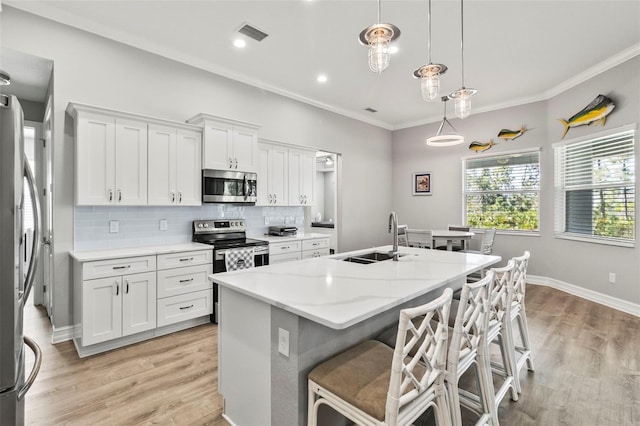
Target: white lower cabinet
{"type": "Point", "coordinates": [316, 247]}
{"type": "Point", "coordinates": [125, 300]}
{"type": "Point", "coordinates": [184, 292]}
{"type": "Point", "coordinates": [284, 252]}
{"type": "Point", "coordinates": [118, 306]}
{"type": "Point", "coordinates": [288, 251]}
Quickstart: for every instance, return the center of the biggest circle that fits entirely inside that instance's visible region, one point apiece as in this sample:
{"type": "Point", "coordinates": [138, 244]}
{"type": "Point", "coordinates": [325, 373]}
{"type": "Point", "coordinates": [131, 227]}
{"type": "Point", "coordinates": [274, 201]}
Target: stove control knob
{"type": "Point", "coordinates": [199, 225]}
{"type": "Point", "coordinates": [206, 225]}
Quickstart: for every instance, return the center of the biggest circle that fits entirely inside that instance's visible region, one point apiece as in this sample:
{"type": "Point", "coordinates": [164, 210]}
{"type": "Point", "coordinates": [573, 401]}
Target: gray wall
{"type": "Point", "coordinates": [33, 111]}
{"type": "Point", "coordinates": [582, 264]}
{"type": "Point", "coordinates": [93, 70]}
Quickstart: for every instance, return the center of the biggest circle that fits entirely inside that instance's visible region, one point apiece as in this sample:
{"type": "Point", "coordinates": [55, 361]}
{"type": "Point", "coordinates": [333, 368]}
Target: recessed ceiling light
{"type": "Point", "coordinates": [239, 43]}
{"type": "Point", "coordinates": [393, 49]}
{"type": "Point", "coordinates": [321, 78]}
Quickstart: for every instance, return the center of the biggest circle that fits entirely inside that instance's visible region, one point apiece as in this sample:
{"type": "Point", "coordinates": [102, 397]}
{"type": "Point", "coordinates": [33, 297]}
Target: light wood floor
{"type": "Point", "coordinates": [587, 360]}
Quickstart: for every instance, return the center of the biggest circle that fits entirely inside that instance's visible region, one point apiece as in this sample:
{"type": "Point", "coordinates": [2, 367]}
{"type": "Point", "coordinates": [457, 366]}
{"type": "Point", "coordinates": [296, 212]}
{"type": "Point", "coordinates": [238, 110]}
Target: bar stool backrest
{"type": "Point", "coordinates": [430, 338]}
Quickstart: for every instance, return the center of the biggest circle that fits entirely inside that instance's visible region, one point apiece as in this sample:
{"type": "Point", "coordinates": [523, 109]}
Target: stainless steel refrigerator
{"type": "Point", "coordinates": [16, 273]}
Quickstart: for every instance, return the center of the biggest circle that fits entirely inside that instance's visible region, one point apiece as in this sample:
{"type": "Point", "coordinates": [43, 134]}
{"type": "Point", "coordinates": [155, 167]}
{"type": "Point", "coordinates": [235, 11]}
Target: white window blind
{"type": "Point", "coordinates": [595, 188]}
{"type": "Point", "coordinates": [503, 191]}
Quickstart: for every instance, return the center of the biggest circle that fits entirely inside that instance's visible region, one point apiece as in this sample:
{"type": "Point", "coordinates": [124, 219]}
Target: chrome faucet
{"type": "Point", "coordinates": [393, 227]}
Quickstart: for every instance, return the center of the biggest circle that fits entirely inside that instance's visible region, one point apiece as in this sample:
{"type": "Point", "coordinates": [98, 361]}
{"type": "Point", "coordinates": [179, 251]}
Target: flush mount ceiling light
{"type": "Point", "coordinates": [429, 74]}
{"type": "Point", "coordinates": [5, 80]}
{"type": "Point", "coordinates": [449, 139]}
{"type": "Point", "coordinates": [239, 43]}
{"type": "Point", "coordinates": [378, 37]}
{"type": "Point", "coordinates": [328, 161]}
{"type": "Point", "coordinates": [462, 96]}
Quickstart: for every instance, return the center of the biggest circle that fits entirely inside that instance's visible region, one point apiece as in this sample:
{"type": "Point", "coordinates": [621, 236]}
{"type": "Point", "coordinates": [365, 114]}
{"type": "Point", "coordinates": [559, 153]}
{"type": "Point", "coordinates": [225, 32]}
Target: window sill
{"type": "Point", "coordinates": [628, 244]}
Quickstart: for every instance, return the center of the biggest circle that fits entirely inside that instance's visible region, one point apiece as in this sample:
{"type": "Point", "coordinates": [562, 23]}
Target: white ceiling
{"type": "Point", "coordinates": [30, 75]}
{"type": "Point", "coordinates": [516, 51]}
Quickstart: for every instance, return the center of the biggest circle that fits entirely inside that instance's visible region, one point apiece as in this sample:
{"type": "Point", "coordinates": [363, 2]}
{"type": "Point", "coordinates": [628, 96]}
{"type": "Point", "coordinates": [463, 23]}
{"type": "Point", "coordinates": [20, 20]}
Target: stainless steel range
{"type": "Point", "coordinates": [226, 235]}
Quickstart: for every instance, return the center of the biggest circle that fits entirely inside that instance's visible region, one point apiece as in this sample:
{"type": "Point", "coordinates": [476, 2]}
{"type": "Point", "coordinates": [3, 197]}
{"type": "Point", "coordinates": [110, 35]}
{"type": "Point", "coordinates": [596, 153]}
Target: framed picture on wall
{"type": "Point", "coordinates": [422, 183]}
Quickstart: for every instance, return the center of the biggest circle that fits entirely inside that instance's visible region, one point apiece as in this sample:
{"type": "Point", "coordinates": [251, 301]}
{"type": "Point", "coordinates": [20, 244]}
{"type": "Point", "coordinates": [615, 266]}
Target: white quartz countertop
{"type": "Point", "coordinates": [339, 294]}
{"type": "Point", "coordinates": [298, 237]}
{"type": "Point", "coordinates": [87, 256]}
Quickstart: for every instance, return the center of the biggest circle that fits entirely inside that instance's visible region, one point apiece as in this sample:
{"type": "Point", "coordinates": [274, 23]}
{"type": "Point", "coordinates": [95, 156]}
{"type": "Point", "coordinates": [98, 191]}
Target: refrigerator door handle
{"type": "Point", "coordinates": [36, 367]}
{"type": "Point", "coordinates": [35, 245]}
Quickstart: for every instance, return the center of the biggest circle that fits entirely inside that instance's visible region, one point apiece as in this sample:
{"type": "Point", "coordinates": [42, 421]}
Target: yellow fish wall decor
{"type": "Point", "coordinates": [481, 146]}
{"type": "Point", "coordinates": [595, 112]}
{"type": "Point", "coordinates": [507, 134]}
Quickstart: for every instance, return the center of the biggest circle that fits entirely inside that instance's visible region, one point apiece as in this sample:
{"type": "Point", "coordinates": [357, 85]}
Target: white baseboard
{"type": "Point", "coordinates": [61, 334]}
{"type": "Point", "coordinates": [594, 296]}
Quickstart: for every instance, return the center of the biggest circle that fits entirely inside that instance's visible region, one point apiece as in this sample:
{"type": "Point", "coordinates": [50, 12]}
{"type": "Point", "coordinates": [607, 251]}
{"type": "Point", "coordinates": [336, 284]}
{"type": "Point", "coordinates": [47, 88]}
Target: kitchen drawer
{"type": "Point", "coordinates": [315, 253]}
{"type": "Point", "coordinates": [117, 267]}
{"type": "Point", "coordinates": [287, 257]}
{"type": "Point", "coordinates": [317, 243]}
{"type": "Point", "coordinates": [173, 282]}
{"type": "Point", "coordinates": [276, 249]}
{"type": "Point", "coordinates": [186, 306]}
{"type": "Point", "coordinates": [185, 258]}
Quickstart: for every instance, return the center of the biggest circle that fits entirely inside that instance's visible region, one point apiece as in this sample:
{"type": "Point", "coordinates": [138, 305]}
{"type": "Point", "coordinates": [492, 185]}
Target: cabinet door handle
{"type": "Point", "coordinates": [186, 307]}
{"type": "Point", "coordinates": [117, 288]}
{"type": "Point", "coordinates": [119, 195]}
{"type": "Point", "coordinates": [270, 198]}
{"type": "Point", "coordinates": [180, 196]}
{"type": "Point", "coordinates": [173, 196]}
{"type": "Point", "coordinates": [275, 198]}
{"type": "Point", "coordinates": [127, 287]}
{"type": "Point", "coordinates": [186, 259]}
{"type": "Point", "coordinates": [236, 162]}
{"type": "Point", "coordinates": [122, 267]}
{"type": "Point", "coordinates": [186, 281]}
{"type": "Point", "coordinates": [230, 163]}
{"type": "Point", "coordinates": [110, 195]}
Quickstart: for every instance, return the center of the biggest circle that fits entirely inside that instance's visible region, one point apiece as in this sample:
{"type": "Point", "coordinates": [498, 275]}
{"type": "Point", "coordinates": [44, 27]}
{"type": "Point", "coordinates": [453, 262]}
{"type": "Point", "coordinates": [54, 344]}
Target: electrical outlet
{"type": "Point", "coordinates": [283, 342]}
{"type": "Point", "coordinates": [286, 220]}
{"type": "Point", "coordinates": [164, 224]}
{"type": "Point", "coordinates": [266, 220]}
{"type": "Point", "coordinates": [114, 226]}
{"type": "Point", "coordinates": [612, 277]}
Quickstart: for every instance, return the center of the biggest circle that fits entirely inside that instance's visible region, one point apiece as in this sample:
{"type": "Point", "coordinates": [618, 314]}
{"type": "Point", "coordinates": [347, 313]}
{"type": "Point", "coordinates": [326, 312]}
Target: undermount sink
{"type": "Point", "coordinates": [371, 257]}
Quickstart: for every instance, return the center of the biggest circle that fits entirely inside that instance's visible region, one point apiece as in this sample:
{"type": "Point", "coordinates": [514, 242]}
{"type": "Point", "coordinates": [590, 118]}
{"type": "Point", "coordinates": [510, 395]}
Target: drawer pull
{"type": "Point", "coordinates": [284, 248]}
{"type": "Point", "coordinates": [186, 307]}
{"type": "Point", "coordinates": [186, 259]}
{"type": "Point", "coordinates": [122, 267]}
{"type": "Point", "coordinates": [316, 244]}
{"type": "Point", "coordinates": [186, 281]}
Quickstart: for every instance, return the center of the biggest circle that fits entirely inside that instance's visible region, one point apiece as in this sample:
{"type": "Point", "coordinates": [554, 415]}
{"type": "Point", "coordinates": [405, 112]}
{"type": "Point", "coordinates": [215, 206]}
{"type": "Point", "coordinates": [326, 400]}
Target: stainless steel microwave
{"type": "Point", "coordinates": [224, 186]}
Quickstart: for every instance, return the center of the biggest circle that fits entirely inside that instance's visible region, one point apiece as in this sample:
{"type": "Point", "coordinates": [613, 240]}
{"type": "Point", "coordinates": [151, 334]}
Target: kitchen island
{"type": "Point", "coordinates": [278, 322]}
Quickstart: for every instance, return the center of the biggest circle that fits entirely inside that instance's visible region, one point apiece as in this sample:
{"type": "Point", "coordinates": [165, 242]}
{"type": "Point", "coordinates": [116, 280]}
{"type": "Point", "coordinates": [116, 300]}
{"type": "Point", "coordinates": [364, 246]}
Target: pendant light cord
{"type": "Point", "coordinates": [429, 31]}
{"type": "Point", "coordinates": [378, 11]}
{"type": "Point", "coordinates": [462, 39]}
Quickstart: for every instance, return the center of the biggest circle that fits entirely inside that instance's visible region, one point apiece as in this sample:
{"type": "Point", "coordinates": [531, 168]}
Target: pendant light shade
{"type": "Point", "coordinates": [5, 80]}
{"type": "Point", "coordinates": [378, 37]}
{"type": "Point", "coordinates": [462, 96]}
{"type": "Point", "coordinates": [429, 74]}
{"type": "Point", "coordinates": [445, 139]}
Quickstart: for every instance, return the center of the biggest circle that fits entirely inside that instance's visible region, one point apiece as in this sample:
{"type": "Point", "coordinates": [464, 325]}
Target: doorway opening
{"type": "Point", "coordinates": [324, 214]}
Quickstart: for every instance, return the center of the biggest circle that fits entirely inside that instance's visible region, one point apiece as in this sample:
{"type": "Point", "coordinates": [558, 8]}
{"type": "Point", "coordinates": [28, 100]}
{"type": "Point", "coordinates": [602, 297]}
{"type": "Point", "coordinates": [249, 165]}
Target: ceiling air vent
{"type": "Point", "coordinates": [252, 32]}
{"type": "Point", "coordinates": [371, 110]}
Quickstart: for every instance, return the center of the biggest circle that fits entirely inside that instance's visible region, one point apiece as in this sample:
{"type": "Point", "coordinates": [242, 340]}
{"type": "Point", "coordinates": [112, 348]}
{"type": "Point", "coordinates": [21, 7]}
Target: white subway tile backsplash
{"type": "Point", "coordinates": [139, 225]}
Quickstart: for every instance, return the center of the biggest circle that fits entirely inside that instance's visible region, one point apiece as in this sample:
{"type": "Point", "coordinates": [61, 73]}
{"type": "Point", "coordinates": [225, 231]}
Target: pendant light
{"type": "Point", "coordinates": [378, 37]}
{"type": "Point", "coordinates": [449, 139]}
{"type": "Point", "coordinates": [5, 80]}
{"type": "Point", "coordinates": [429, 74]}
{"type": "Point", "coordinates": [462, 96]}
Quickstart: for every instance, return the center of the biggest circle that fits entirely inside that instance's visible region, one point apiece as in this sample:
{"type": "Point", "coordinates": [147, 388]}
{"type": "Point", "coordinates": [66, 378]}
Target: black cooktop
{"type": "Point", "coordinates": [231, 243]}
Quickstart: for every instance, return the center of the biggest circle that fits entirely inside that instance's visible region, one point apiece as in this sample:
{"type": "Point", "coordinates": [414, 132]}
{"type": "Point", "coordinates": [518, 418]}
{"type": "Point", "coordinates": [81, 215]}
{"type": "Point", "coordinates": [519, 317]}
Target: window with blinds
{"type": "Point", "coordinates": [503, 191]}
{"type": "Point", "coordinates": [595, 188]}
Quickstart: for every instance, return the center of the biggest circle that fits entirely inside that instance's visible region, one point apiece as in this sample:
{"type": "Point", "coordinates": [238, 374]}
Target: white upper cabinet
{"type": "Point", "coordinates": [228, 144]}
{"type": "Point", "coordinates": [302, 172]}
{"type": "Point", "coordinates": [111, 160]}
{"type": "Point", "coordinates": [128, 159]}
{"type": "Point", "coordinates": [273, 175]}
{"type": "Point", "coordinates": [174, 166]}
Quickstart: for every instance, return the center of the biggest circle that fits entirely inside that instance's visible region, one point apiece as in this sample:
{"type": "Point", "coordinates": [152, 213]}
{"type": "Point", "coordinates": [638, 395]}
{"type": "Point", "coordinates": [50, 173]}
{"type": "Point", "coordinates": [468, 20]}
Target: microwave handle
{"type": "Point", "coordinates": [246, 187]}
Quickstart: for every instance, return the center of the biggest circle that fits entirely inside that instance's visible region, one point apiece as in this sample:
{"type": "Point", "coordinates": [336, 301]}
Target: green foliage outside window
{"type": "Point", "coordinates": [502, 192]}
